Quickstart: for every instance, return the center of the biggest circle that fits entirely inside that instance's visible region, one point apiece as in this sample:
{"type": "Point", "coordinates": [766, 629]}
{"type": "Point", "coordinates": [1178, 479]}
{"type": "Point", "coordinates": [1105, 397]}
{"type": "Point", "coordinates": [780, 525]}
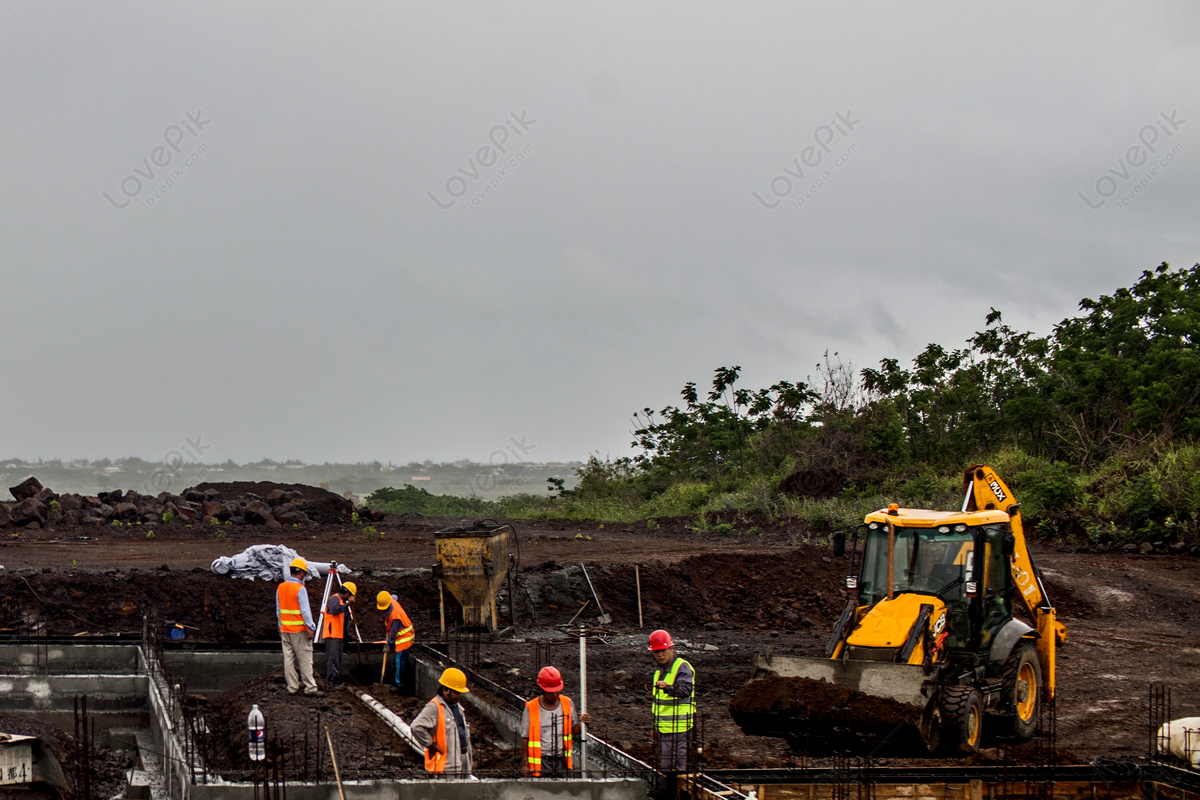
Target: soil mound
{"type": "Point", "coordinates": [767, 591]}
{"type": "Point", "coordinates": [319, 505]}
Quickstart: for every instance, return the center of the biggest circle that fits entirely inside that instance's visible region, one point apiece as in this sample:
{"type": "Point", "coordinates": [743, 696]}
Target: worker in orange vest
{"type": "Point", "coordinates": [296, 629]}
{"type": "Point", "coordinates": [399, 633]}
{"type": "Point", "coordinates": [333, 632]}
{"type": "Point", "coordinates": [550, 728]}
{"type": "Point", "coordinates": [441, 728]}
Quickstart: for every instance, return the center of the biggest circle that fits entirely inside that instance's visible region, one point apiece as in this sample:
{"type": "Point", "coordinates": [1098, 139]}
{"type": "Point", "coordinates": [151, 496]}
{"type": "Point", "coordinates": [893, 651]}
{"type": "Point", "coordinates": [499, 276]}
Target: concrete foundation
{"type": "Point", "coordinates": [129, 696]}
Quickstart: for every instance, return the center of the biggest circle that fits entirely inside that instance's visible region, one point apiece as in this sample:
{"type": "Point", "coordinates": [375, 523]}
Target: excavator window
{"type": "Point", "coordinates": [997, 598]}
{"type": "Point", "coordinates": [924, 560]}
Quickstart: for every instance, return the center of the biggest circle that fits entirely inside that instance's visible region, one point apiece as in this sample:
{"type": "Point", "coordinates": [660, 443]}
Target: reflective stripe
{"type": "Point", "coordinates": [673, 714]}
{"type": "Point", "coordinates": [291, 618]}
{"type": "Point", "coordinates": [405, 635]}
{"type": "Point", "coordinates": [534, 734]}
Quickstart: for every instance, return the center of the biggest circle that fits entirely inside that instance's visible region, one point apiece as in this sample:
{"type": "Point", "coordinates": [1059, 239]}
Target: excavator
{"type": "Point", "coordinates": [931, 623]}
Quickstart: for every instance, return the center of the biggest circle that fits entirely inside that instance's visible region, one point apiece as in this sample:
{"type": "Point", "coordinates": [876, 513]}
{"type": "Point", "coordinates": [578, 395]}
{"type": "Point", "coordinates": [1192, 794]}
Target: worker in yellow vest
{"type": "Point", "coordinates": [672, 703]}
{"type": "Point", "coordinates": [550, 727]}
{"type": "Point", "coordinates": [333, 632]}
{"type": "Point", "coordinates": [399, 634]}
{"type": "Point", "coordinates": [441, 728]}
{"type": "Point", "coordinates": [296, 629]}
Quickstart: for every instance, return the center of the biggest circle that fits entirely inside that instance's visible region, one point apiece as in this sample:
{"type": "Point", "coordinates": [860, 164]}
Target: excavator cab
{"type": "Point", "coordinates": [962, 566]}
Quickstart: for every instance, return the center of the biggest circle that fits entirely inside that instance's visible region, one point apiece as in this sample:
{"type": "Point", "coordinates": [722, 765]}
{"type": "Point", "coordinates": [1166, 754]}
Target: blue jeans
{"type": "Point", "coordinates": [401, 663]}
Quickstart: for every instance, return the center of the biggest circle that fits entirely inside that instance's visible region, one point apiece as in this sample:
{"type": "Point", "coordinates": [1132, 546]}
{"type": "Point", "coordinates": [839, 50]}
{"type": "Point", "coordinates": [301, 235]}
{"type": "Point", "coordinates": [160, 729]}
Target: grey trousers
{"type": "Point", "coordinates": [333, 660]}
{"type": "Point", "coordinates": [297, 657]}
{"type": "Point", "coordinates": [672, 751]}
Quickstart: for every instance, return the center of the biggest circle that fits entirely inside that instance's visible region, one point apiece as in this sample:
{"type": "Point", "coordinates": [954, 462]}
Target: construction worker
{"type": "Point", "coordinates": [446, 737]}
{"type": "Point", "coordinates": [673, 703]}
{"type": "Point", "coordinates": [296, 629]}
{"type": "Point", "coordinates": [399, 633]}
{"type": "Point", "coordinates": [550, 728]}
{"type": "Point", "coordinates": [334, 630]}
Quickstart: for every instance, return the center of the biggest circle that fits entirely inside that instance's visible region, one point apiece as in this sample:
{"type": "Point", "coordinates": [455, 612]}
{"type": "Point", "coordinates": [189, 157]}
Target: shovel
{"type": "Point", "coordinates": [381, 686]}
{"type": "Point", "coordinates": [603, 619]}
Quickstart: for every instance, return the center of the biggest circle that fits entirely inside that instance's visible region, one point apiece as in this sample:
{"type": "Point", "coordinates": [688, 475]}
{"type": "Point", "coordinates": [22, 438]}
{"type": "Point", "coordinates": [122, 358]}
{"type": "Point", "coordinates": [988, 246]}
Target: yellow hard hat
{"type": "Point", "coordinates": [349, 586]}
{"type": "Point", "coordinates": [455, 680]}
{"type": "Point", "coordinates": [383, 601]}
{"type": "Point", "coordinates": [299, 563]}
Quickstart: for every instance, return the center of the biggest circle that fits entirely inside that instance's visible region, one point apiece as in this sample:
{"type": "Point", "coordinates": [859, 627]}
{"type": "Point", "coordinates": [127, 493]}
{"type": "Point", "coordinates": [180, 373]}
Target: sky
{"type": "Point", "coordinates": [493, 231]}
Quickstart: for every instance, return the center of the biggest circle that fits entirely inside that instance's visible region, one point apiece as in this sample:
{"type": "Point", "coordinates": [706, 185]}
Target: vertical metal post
{"type": "Point", "coordinates": [891, 565]}
{"type": "Point", "coordinates": [442, 606]}
{"type": "Point", "coordinates": [582, 699]}
{"type": "Point", "coordinates": [637, 577]}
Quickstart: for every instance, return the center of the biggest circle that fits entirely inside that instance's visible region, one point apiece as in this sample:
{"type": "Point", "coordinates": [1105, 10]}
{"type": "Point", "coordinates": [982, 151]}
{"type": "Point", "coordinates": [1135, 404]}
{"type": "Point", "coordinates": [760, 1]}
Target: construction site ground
{"type": "Point", "coordinates": [1131, 617]}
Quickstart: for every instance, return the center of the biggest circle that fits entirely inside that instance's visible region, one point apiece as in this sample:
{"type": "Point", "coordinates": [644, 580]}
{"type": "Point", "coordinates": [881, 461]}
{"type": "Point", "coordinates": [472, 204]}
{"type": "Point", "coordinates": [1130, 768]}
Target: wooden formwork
{"type": "Point", "coordinates": [970, 790]}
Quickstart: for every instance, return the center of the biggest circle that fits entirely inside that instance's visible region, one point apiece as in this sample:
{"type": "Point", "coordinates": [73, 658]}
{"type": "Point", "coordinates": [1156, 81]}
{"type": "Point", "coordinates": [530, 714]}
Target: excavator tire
{"type": "Point", "coordinates": [1022, 692]}
{"type": "Point", "coordinates": [962, 719]}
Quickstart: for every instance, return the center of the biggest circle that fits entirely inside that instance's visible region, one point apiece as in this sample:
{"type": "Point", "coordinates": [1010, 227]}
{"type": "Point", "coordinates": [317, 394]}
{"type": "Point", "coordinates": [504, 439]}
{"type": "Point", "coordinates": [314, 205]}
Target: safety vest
{"type": "Point", "coordinates": [436, 762]}
{"type": "Point", "coordinates": [335, 625]}
{"type": "Point", "coordinates": [672, 714]}
{"type": "Point", "coordinates": [534, 753]}
{"type": "Point", "coordinates": [404, 636]}
{"type": "Point", "coordinates": [291, 618]}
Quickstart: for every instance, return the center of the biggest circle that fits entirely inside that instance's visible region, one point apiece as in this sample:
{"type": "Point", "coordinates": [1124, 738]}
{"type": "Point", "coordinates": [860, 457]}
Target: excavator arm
{"type": "Point", "coordinates": [983, 490]}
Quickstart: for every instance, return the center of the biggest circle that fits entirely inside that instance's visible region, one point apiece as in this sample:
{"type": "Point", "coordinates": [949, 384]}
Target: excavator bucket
{"type": "Point", "coordinates": [812, 699]}
{"type": "Point", "coordinates": [903, 683]}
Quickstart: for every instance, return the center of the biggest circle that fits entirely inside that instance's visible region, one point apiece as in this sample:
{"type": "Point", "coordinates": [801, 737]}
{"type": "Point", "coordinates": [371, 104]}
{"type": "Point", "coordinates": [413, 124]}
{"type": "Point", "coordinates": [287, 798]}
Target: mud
{"type": "Point", "coordinates": [108, 765]}
{"type": "Point", "coordinates": [1131, 617]}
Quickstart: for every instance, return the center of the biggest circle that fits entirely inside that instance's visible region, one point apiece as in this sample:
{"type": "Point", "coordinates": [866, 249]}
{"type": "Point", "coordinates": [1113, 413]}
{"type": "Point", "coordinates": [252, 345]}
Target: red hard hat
{"type": "Point", "coordinates": [550, 680]}
{"type": "Point", "coordinates": [660, 640]}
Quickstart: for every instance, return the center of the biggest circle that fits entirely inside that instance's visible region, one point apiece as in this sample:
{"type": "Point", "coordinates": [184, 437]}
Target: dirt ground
{"type": "Point", "coordinates": [1130, 617]}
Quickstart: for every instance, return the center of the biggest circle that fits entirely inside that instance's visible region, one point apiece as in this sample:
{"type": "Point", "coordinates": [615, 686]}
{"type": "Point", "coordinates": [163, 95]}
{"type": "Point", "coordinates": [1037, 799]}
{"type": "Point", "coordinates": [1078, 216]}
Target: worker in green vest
{"type": "Point", "coordinates": [673, 703]}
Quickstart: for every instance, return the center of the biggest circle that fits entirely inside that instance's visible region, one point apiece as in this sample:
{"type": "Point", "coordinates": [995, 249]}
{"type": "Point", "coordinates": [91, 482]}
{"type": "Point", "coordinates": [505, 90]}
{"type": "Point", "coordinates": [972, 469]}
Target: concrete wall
{"type": "Point", "coordinates": [36, 659]}
{"type": "Point", "coordinates": [612, 789]}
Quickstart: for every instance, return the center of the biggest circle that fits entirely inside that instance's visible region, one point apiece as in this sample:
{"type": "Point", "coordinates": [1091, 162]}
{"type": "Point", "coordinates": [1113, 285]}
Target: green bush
{"type": "Point", "coordinates": [679, 500]}
{"type": "Point", "coordinates": [411, 500]}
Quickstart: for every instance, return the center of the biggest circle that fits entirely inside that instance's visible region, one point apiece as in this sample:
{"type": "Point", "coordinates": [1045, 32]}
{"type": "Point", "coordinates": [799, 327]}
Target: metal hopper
{"type": "Point", "coordinates": [472, 562]}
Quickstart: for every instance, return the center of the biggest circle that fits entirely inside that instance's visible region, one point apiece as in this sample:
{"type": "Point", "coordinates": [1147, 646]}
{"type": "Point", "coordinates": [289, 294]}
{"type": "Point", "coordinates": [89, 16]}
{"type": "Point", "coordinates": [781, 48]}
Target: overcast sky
{"type": "Point", "coordinates": [352, 231]}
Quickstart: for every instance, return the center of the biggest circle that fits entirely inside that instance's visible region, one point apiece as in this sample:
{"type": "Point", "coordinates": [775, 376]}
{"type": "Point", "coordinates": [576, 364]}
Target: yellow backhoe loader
{"type": "Point", "coordinates": [930, 623]}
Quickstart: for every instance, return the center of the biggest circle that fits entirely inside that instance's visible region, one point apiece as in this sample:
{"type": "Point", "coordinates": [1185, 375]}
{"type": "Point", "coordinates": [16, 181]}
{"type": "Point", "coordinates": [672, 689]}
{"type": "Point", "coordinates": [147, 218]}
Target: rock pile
{"type": "Point", "coordinates": [36, 506]}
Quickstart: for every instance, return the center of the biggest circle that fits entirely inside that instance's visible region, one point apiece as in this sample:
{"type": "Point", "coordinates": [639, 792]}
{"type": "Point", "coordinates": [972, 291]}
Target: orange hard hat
{"type": "Point", "coordinates": [550, 680]}
{"type": "Point", "coordinates": [661, 640]}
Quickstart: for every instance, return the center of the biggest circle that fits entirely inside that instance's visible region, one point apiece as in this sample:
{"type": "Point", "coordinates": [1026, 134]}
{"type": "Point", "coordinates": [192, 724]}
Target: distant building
{"type": "Point", "coordinates": [421, 478]}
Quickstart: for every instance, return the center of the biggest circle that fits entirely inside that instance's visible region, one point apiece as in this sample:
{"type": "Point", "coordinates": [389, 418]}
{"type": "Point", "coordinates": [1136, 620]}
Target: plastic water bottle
{"type": "Point", "coordinates": [254, 722]}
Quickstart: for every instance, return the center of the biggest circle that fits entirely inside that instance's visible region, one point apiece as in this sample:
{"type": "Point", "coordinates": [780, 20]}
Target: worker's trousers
{"type": "Point", "coordinates": [333, 660]}
{"type": "Point", "coordinates": [298, 654]}
{"type": "Point", "coordinates": [673, 751]}
{"type": "Point", "coordinates": [400, 664]}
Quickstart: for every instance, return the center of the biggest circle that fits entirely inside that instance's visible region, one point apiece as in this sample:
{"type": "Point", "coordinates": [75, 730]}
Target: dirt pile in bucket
{"type": "Point", "coordinates": [768, 706]}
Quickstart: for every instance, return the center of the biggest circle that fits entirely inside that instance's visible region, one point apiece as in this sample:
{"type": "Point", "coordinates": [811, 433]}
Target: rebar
{"type": "Point", "coordinates": [1159, 714]}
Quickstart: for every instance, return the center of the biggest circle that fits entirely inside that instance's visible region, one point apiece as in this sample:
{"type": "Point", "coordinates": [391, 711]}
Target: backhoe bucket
{"type": "Point", "coordinates": [904, 683]}
{"type": "Point", "coordinates": [806, 700]}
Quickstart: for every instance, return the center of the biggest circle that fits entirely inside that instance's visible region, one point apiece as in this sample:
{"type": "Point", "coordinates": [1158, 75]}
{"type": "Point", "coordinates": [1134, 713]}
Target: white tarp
{"type": "Point", "coordinates": [268, 562]}
{"type": "Point", "coordinates": [1181, 738]}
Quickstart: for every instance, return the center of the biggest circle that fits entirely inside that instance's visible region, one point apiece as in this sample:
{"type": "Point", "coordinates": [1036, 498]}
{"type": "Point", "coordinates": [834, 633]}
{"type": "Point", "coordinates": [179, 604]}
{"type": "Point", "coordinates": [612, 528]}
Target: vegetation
{"type": "Point", "coordinates": [1096, 426]}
